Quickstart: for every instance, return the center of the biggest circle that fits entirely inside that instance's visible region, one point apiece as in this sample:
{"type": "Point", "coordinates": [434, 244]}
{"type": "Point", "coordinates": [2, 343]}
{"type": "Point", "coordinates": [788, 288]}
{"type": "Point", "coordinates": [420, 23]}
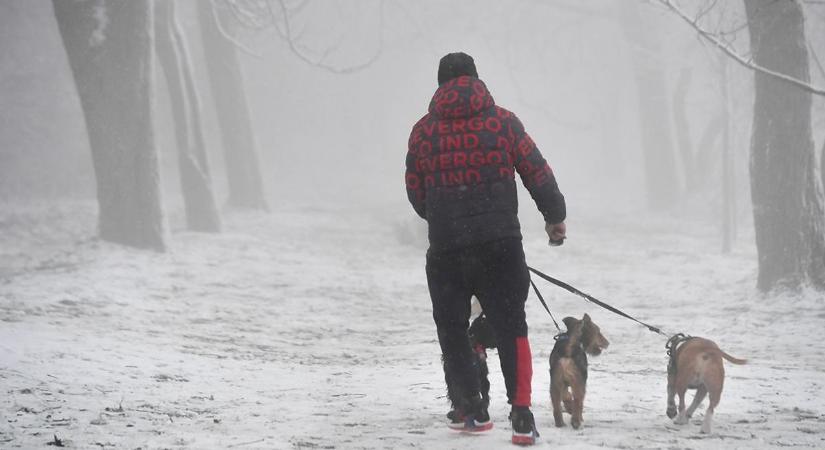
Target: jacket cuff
{"type": "Point", "coordinates": [555, 215]}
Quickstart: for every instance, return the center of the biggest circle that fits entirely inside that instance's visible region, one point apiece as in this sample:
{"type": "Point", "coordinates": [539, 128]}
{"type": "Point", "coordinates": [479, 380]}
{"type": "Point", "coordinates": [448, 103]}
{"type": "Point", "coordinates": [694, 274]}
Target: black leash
{"type": "Point", "coordinates": [543, 303]}
{"type": "Point", "coordinates": [589, 298]}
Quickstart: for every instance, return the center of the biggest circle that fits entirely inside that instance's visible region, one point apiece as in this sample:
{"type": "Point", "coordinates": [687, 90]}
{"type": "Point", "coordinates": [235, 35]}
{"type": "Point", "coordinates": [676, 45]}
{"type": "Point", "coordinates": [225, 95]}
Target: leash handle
{"type": "Point", "coordinates": [592, 299]}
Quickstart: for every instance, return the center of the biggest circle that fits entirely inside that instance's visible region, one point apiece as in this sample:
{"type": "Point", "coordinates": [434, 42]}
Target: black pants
{"type": "Point", "coordinates": [496, 273]}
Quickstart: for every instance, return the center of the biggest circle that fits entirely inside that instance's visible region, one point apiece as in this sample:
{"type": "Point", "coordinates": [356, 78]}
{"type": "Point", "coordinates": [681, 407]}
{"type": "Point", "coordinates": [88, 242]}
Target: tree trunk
{"type": "Point", "coordinates": [109, 47]}
{"type": "Point", "coordinates": [193, 164]}
{"type": "Point", "coordinates": [822, 163]}
{"type": "Point", "coordinates": [654, 117]}
{"type": "Point", "coordinates": [682, 129]}
{"type": "Point", "coordinates": [728, 172]}
{"type": "Point", "coordinates": [705, 151]}
{"type": "Point", "coordinates": [786, 193]}
{"type": "Point", "coordinates": [243, 171]}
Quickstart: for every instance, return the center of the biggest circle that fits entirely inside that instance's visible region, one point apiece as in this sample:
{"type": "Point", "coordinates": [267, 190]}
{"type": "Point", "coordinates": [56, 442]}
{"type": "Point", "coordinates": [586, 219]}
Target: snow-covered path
{"type": "Point", "coordinates": [312, 329]}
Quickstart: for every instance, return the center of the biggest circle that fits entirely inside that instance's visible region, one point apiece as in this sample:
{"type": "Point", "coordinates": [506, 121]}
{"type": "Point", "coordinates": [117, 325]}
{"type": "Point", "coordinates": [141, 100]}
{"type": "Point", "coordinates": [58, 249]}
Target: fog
{"type": "Point", "coordinates": [326, 138]}
{"type": "Point", "coordinates": [175, 275]}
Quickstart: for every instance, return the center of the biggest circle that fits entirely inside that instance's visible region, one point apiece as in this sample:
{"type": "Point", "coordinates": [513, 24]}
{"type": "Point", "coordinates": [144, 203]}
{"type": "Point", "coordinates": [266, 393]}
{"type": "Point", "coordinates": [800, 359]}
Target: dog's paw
{"type": "Point", "coordinates": [681, 419]}
{"type": "Point", "coordinates": [576, 424]}
{"type": "Point", "coordinates": [671, 412]}
{"type": "Point", "coordinates": [560, 424]}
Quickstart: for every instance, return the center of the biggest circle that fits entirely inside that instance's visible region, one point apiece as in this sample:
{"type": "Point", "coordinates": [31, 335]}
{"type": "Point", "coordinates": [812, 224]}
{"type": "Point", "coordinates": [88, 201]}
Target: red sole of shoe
{"type": "Point", "coordinates": [471, 430]}
{"type": "Point", "coordinates": [524, 440]}
{"type": "Point", "coordinates": [480, 429]}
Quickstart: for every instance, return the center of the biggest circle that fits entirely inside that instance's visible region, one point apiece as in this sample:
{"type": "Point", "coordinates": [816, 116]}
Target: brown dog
{"type": "Point", "coordinates": [695, 363]}
{"type": "Point", "coordinates": [568, 367]}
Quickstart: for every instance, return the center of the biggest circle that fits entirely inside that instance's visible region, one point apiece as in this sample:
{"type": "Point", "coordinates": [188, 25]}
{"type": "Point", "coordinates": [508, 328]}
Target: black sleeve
{"type": "Point", "coordinates": [414, 180]}
{"type": "Point", "coordinates": [536, 174]}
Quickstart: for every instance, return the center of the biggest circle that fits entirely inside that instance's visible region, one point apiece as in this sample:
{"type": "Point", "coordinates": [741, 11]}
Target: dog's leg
{"type": "Point", "coordinates": [578, 388]}
{"type": "Point", "coordinates": [715, 394]}
{"type": "Point", "coordinates": [681, 418]}
{"type": "Point", "coordinates": [567, 400]}
{"type": "Point", "coordinates": [707, 422]}
{"type": "Point", "coordinates": [701, 392]}
{"type": "Point", "coordinates": [557, 389]}
{"type": "Point", "coordinates": [671, 395]}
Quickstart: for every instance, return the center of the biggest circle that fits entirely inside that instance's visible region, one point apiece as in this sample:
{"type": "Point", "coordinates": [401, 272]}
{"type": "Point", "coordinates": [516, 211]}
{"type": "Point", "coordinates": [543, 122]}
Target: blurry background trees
{"type": "Point", "coordinates": [786, 190]}
{"type": "Point", "coordinates": [643, 38]}
{"type": "Point", "coordinates": [193, 162]}
{"type": "Point", "coordinates": [222, 68]}
{"type": "Point", "coordinates": [309, 103]}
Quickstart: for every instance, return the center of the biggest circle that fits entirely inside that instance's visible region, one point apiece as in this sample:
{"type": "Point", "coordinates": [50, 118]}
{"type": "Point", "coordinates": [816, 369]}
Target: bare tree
{"type": "Point", "coordinates": [786, 193]}
{"type": "Point", "coordinates": [279, 12]}
{"type": "Point", "coordinates": [728, 172]}
{"type": "Point", "coordinates": [719, 41]}
{"type": "Point", "coordinates": [821, 71]}
{"type": "Point", "coordinates": [822, 163]}
{"type": "Point", "coordinates": [193, 164]}
{"type": "Point", "coordinates": [109, 47]}
{"type": "Point", "coordinates": [657, 143]}
{"type": "Point", "coordinates": [246, 188]}
{"type": "Point", "coordinates": [680, 122]}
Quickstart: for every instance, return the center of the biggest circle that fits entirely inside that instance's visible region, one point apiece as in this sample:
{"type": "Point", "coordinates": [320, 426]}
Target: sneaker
{"type": "Point", "coordinates": [469, 424]}
{"type": "Point", "coordinates": [524, 426]}
{"type": "Point", "coordinates": [454, 416]}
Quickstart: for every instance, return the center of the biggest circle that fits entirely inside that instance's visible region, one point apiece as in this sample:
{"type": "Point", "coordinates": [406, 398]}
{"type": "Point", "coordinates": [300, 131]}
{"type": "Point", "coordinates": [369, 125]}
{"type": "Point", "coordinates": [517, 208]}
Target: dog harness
{"type": "Point", "coordinates": [672, 346]}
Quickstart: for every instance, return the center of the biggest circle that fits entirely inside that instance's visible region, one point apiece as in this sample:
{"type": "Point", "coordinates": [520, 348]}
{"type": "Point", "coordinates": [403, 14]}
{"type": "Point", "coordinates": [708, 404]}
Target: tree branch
{"type": "Point", "coordinates": [226, 35]}
{"type": "Point", "coordinates": [725, 47]}
{"type": "Point", "coordinates": [248, 18]}
{"type": "Point", "coordinates": [707, 10]}
{"type": "Point", "coordinates": [287, 34]}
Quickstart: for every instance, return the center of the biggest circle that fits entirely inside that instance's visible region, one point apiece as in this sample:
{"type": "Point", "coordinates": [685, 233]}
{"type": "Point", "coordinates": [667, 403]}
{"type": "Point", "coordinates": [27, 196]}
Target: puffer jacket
{"type": "Point", "coordinates": [461, 165]}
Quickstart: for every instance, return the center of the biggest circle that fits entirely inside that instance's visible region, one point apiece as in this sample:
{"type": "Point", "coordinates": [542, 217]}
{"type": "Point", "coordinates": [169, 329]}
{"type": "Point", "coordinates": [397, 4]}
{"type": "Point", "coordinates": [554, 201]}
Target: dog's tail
{"type": "Point", "coordinates": [732, 359]}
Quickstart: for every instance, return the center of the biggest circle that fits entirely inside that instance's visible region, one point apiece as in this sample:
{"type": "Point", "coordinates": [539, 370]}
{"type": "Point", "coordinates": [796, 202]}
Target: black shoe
{"type": "Point", "coordinates": [524, 426]}
{"type": "Point", "coordinates": [478, 422]}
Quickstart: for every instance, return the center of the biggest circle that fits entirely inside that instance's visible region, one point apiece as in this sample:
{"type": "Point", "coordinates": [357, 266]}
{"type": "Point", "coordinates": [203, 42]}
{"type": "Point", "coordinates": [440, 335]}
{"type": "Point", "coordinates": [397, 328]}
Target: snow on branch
{"type": "Point", "coordinates": [730, 51]}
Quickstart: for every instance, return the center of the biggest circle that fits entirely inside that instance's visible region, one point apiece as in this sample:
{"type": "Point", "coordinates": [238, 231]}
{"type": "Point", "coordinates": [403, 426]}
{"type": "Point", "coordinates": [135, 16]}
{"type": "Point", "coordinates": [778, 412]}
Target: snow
{"type": "Point", "coordinates": [101, 16]}
{"type": "Point", "coordinates": [311, 328]}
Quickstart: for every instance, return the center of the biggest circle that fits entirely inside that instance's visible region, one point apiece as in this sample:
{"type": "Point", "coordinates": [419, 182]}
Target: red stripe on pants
{"type": "Point", "coordinates": [524, 372]}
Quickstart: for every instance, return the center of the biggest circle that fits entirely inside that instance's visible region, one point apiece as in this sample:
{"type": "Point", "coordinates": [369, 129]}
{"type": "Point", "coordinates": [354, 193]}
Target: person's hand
{"type": "Point", "coordinates": [557, 232]}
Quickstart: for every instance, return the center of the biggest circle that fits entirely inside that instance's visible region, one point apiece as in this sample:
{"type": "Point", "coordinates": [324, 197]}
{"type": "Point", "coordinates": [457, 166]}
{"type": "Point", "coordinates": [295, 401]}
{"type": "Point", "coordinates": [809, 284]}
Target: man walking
{"type": "Point", "coordinates": [461, 164]}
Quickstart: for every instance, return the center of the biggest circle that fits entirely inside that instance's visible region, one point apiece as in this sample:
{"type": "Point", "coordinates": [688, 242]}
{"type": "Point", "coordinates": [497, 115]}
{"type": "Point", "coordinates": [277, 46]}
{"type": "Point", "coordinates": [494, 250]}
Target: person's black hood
{"type": "Point", "coordinates": [461, 97]}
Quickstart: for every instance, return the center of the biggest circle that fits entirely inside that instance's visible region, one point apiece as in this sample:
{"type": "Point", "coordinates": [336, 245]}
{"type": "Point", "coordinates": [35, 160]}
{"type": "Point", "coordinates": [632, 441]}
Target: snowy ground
{"type": "Point", "coordinates": [311, 329]}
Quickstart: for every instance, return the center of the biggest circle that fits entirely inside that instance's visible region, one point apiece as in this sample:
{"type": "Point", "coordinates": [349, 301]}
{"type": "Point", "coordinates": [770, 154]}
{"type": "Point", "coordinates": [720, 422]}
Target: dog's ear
{"type": "Point", "coordinates": [571, 323]}
{"type": "Point", "coordinates": [586, 318]}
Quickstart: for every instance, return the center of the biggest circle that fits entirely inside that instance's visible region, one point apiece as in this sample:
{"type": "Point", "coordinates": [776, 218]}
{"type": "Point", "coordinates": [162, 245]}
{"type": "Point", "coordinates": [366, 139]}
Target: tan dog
{"type": "Point", "coordinates": [695, 363]}
{"type": "Point", "coordinates": [568, 367]}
